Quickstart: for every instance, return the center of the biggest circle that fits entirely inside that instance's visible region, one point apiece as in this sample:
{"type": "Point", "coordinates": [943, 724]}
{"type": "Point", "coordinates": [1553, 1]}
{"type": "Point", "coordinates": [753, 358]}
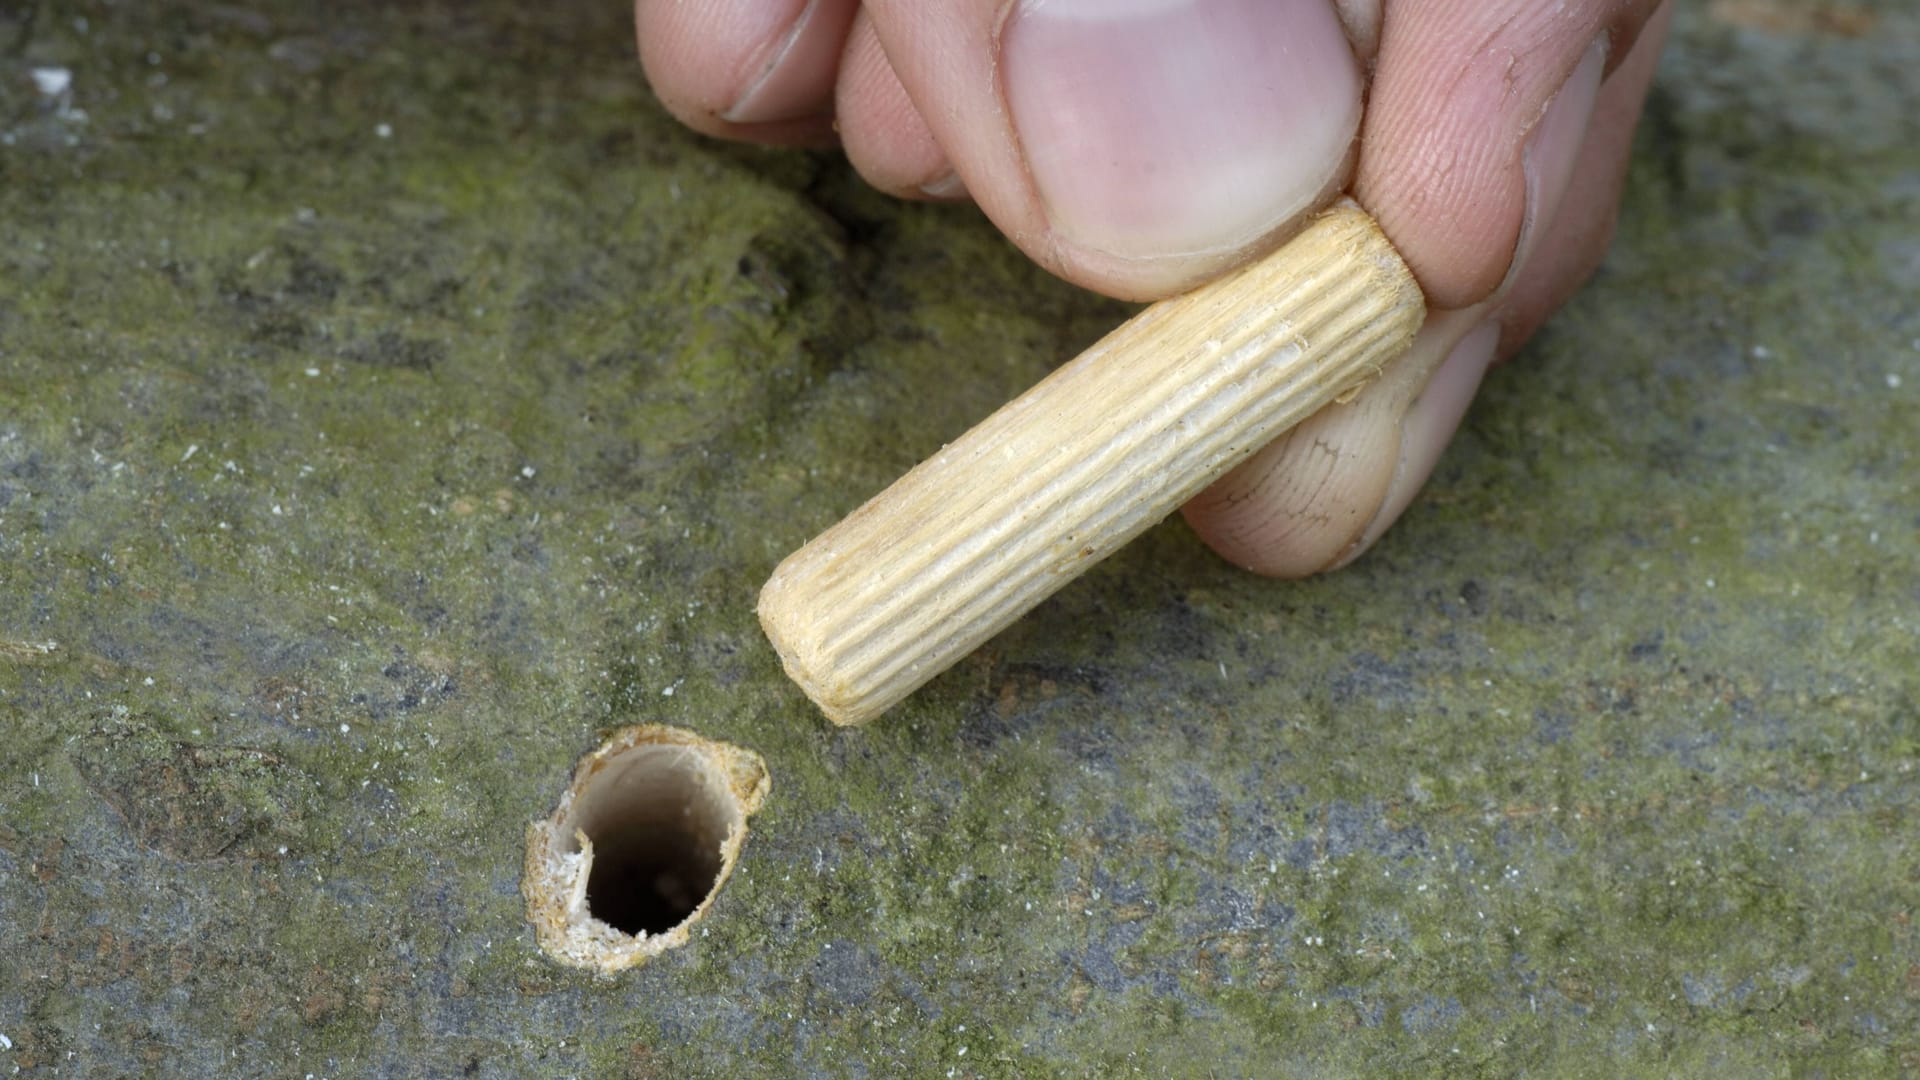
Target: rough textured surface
{"type": "Point", "coordinates": [391, 402]}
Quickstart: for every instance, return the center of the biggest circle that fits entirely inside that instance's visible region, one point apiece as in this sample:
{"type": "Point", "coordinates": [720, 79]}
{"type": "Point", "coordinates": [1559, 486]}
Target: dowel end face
{"type": "Point", "coordinates": [785, 623]}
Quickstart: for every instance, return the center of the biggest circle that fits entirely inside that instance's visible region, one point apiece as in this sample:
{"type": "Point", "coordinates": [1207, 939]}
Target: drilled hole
{"type": "Point", "coordinates": [656, 831]}
{"type": "Point", "coordinates": [639, 845]}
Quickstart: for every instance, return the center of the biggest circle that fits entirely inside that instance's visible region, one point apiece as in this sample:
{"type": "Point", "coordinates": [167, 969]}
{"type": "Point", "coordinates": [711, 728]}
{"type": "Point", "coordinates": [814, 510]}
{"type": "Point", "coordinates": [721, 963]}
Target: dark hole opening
{"type": "Point", "coordinates": [656, 817]}
{"type": "Point", "coordinates": [650, 882]}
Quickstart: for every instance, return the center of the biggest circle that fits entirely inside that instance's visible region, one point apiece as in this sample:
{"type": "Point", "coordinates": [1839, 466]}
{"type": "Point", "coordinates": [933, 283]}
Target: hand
{"type": "Point", "coordinates": [1139, 147]}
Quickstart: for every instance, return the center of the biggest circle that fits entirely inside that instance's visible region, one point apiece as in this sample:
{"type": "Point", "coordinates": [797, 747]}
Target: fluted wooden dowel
{"type": "Point", "coordinates": [1063, 475]}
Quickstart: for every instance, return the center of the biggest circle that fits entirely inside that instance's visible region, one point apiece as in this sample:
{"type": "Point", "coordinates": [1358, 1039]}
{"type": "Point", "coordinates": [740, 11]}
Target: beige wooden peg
{"type": "Point", "coordinates": [1061, 476]}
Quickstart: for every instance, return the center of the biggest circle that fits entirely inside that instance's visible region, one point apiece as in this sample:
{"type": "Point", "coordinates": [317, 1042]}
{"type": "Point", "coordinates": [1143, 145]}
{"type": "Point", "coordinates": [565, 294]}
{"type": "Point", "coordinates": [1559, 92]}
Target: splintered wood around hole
{"type": "Point", "coordinates": [639, 846]}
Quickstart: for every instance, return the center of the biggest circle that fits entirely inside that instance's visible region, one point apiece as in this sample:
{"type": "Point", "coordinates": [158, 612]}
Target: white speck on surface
{"type": "Point", "coordinates": [527, 471]}
{"type": "Point", "coordinates": [52, 81]}
{"type": "Point", "coordinates": [344, 728]}
{"type": "Point", "coordinates": [1893, 380]}
{"type": "Point", "coordinates": [385, 131]}
{"type": "Point", "coordinates": [192, 449]}
{"type": "Point", "coordinates": [276, 510]}
{"type": "Point", "coordinates": [1761, 352]}
{"type": "Point", "coordinates": [148, 681]}
{"type": "Point", "coordinates": [313, 373]}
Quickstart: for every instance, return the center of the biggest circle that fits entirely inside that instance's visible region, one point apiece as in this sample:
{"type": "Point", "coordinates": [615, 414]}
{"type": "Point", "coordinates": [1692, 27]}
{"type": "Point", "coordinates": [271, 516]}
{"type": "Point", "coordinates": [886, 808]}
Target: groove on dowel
{"type": "Point", "coordinates": [1100, 450]}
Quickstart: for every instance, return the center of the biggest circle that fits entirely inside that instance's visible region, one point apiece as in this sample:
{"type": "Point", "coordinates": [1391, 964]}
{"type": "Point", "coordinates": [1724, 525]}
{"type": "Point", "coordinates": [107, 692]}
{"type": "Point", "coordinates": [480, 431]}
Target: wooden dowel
{"type": "Point", "coordinates": [1061, 476]}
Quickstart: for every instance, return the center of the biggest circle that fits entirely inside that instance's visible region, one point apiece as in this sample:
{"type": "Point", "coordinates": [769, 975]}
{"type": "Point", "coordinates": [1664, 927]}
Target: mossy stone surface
{"type": "Point", "coordinates": [392, 402]}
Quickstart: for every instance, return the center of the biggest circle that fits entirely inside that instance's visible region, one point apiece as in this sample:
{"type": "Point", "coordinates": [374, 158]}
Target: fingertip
{"type": "Point", "coordinates": [1574, 244]}
{"type": "Point", "coordinates": [1300, 502]}
{"type": "Point", "coordinates": [761, 71]}
{"type": "Point", "coordinates": [1463, 89]}
{"type": "Point", "coordinates": [1439, 172]}
{"type": "Point", "coordinates": [883, 134]}
{"type": "Point", "coordinates": [1427, 429]}
{"type": "Point", "coordinates": [1319, 496]}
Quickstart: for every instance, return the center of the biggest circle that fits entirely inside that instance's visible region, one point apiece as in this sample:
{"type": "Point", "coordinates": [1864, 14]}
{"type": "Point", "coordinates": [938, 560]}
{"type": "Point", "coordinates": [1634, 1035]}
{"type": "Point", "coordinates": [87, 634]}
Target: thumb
{"type": "Point", "coordinates": [1134, 146]}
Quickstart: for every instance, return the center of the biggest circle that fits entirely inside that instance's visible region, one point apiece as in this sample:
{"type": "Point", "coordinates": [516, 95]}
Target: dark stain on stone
{"type": "Point", "coordinates": [1373, 679]}
{"type": "Point", "coordinates": [1020, 696]}
{"type": "Point", "coordinates": [311, 281]}
{"type": "Point", "coordinates": [411, 687]}
{"type": "Point", "coordinates": [1649, 647]}
{"type": "Point", "coordinates": [847, 973]}
{"type": "Point", "coordinates": [389, 349]}
{"type": "Point", "coordinates": [1474, 596]}
{"type": "Point", "coordinates": [192, 801]}
{"type": "Point", "coordinates": [1550, 727]}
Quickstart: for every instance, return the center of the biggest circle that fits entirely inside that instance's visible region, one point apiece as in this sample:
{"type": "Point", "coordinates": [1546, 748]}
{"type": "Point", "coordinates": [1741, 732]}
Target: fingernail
{"type": "Point", "coordinates": [1166, 128]}
{"type": "Point", "coordinates": [794, 76]}
{"type": "Point", "coordinates": [1552, 148]}
{"type": "Point", "coordinates": [947, 185]}
{"type": "Point", "coordinates": [1429, 425]}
